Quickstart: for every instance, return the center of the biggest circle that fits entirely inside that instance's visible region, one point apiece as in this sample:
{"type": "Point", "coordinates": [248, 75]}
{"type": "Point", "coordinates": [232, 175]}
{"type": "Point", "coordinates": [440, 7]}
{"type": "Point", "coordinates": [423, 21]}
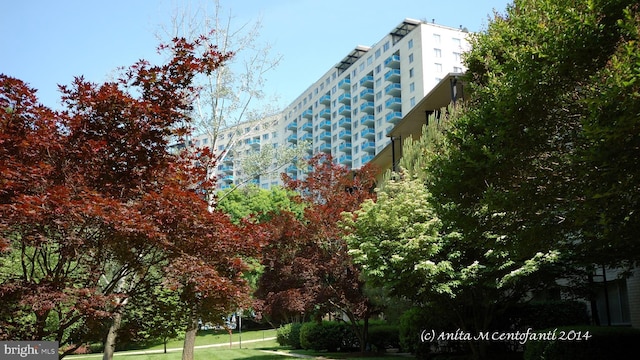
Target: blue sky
{"type": "Point", "coordinates": [46, 42]}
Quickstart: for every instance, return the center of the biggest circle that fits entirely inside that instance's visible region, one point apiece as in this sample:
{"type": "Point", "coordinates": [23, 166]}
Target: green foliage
{"type": "Point", "coordinates": [156, 318]}
{"type": "Point", "coordinates": [384, 336]}
{"type": "Point", "coordinates": [327, 335]}
{"type": "Point", "coordinates": [603, 343]}
{"type": "Point", "coordinates": [289, 335]}
{"type": "Point", "coordinates": [261, 204]}
{"type": "Point", "coordinates": [395, 239]}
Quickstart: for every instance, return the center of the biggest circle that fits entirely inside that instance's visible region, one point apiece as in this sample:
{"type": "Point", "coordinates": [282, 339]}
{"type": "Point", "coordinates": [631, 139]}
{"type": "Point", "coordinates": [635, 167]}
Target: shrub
{"type": "Point", "coordinates": [604, 343]}
{"type": "Point", "coordinates": [289, 335]}
{"type": "Point", "coordinates": [283, 334]}
{"type": "Point", "coordinates": [384, 336]}
{"type": "Point", "coordinates": [323, 336]}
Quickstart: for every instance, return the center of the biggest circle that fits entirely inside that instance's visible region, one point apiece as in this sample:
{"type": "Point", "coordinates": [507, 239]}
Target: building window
{"type": "Point", "coordinates": [385, 47]}
{"type": "Point", "coordinates": [456, 56]}
{"type": "Point", "coordinates": [378, 82]}
{"type": "Point", "coordinates": [377, 53]}
{"type": "Point", "coordinates": [378, 69]}
{"type": "Point", "coordinates": [410, 44]}
{"type": "Point", "coordinates": [370, 60]}
{"type": "Point", "coordinates": [378, 95]}
{"type": "Point", "coordinates": [438, 68]}
{"type": "Point", "coordinates": [437, 53]}
{"type": "Point", "coordinates": [456, 42]}
{"type": "Point", "coordinates": [436, 38]}
{"type": "Point", "coordinates": [378, 109]}
{"type": "Point", "coordinates": [410, 58]}
{"type": "Point", "coordinates": [412, 87]}
{"type": "Point", "coordinates": [411, 72]}
{"type": "Point", "coordinates": [412, 102]}
{"type": "Point", "coordinates": [361, 66]}
{"type": "Point", "coordinates": [457, 69]}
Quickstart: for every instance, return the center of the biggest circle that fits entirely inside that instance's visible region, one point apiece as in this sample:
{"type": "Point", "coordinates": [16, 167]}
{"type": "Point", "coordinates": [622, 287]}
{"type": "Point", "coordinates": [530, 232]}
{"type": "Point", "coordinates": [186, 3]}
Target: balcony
{"type": "Point", "coordinates": [367, 107]}
{"type": "Point", "coordinates": [344, 83]}
{"type": "Point", "coordinates": [324, 147]}
{"type": "Point", "coordinates": [307, 114]}
{"type": "Point", "coordinates": [291, 169]}
{"type": "Point", "coordinates": [366, 94]}
{"type": "Point", "coordinates": [393, 117]}
{"type": "Point", "coordinates": [293, 139]}
{"type": "Point", "coordinates": [308, 127]}
{"type": "Point", "coordinates": [293, 126]}
{"type": "Point", "coordinates": [226, 169]}
{"type": "Point", "coordinates": [393, 103]}
{"type": "Point", "coordinates": [325, 113]}
{"type": "Point", "coordinates": [325, 124]}
{"type": "Point", "coordinates": [367, 158]}
{"type": "Point", "coordinates": [345, 123]}
{"type": "Point", "coordinates": [367, 120]}
{"type": "Point", "coordinates": [254, 143]}
{"type": "Point", "coordinates": [368, 146]}
{"type": "Point", "coordinates": [345, 147]}
{"type": "Point", "coordinates": [344, 110]}
{"type": "Point", "coordinates": [228, 179]}
{"type": "Point", "coordinates": [345, 98]}
{"type": "Point", "coordinates": [306, 137]}
{"type": "Point", "coordinates": [345, 159]}
{"type": "Point", "coordinates": [392, 75]}
{"type": "Point", "coordinates": [324, 136]}
{"type": "Point", "coordinates": [345, 135]}
{"type": "Point", "coordinates": [325, 99]}
{"type": "Point", "coordinates": [368, 133]}
{"type": "Point", "coordinates": [366, 81]}
{"type": "Point", "coordinates": [393, 89]}
{"type": "Point", "coordinates": [392, 61]}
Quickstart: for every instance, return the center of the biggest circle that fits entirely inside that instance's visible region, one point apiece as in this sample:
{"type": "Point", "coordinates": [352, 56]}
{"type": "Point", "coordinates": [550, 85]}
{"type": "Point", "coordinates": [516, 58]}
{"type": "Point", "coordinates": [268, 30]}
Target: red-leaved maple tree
{"type": "Point", "coordinates": [93, 204]}
{"type": "Point", "coordinates": [307, 268]}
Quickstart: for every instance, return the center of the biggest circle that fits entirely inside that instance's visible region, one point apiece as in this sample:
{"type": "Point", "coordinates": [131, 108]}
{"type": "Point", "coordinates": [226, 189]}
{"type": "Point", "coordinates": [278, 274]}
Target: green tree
{"type": "Point", "coordinates": [608, 158]}
{"type": "Point", "coordinates": [259, 204]}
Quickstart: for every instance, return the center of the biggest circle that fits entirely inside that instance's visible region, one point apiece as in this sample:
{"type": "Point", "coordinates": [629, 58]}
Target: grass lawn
{"type": "Point", "coordinates": [214, 345]}
{"type": "Point", "coordinates": [221, 337]}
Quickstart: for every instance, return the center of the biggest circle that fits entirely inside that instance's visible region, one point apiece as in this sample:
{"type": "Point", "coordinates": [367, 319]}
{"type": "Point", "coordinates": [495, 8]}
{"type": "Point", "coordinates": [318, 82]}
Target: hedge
{"type": "Point", "coordinates": [289, 335]}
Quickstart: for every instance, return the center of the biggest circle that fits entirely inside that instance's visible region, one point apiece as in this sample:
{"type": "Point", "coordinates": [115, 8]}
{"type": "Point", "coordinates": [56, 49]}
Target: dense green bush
{"type": "Point", "coordinates": [326, 335]}
{"type": "Point", "coordinates": [289, 335]}
{"type": "Point", "coordinates": [384, 336]}
{"type": "Point", "coordinates": [603, 343]}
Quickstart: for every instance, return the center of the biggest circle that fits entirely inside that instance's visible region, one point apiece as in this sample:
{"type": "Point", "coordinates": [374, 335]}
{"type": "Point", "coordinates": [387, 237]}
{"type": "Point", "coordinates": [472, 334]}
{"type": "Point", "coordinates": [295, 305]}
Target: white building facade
{"type": "Point", "coordinates": [349, 111]}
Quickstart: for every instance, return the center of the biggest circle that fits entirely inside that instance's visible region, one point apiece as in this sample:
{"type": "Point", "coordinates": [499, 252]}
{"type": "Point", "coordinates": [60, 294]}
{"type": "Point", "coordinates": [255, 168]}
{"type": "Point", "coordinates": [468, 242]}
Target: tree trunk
{"type": "Point", "coordinates": [190, 338]}
{"type": "Point", "coordinates": [110, 342]}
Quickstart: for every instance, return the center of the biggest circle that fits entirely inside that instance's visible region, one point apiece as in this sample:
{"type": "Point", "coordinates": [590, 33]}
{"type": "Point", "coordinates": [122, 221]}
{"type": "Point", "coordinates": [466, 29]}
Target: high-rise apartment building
{"type": "Point", "coordinates": [349, 111]}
